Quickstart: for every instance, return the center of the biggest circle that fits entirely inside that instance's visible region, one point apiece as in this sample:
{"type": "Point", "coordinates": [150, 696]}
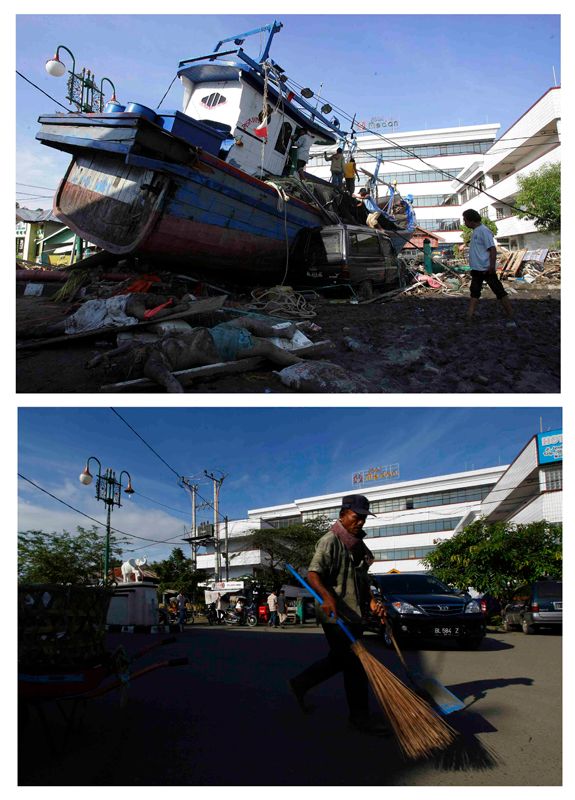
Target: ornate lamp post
{"type": "Point", "coordinates": [82, 89]}
{"type": "Point", "coordinates": [109, 491]}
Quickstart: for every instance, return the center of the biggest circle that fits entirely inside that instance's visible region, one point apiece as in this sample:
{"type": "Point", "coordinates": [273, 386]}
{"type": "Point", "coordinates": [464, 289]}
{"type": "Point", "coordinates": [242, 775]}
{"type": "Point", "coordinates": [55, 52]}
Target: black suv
{"type": "Point", "coordinates": [419, 606]}
{"type": "Point", "coordinates": [535, 605]}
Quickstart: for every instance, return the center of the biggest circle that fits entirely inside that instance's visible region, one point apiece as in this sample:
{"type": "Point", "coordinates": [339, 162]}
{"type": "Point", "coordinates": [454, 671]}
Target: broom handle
{"type": "Point", "coordinates": [306, 585]}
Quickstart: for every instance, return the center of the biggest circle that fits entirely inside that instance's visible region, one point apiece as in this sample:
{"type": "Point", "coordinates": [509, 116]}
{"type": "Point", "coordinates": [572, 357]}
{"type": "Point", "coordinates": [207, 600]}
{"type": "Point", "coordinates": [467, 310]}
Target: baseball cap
{"type": "Point", "coordinates": [358, 503]}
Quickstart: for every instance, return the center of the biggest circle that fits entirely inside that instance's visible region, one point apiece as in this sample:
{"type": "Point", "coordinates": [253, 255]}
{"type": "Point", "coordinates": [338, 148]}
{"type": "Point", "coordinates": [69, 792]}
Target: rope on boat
{"type": "Point", "coordinates": [281, 301]}
{"type": "Point", "coordinates": [283, 198]}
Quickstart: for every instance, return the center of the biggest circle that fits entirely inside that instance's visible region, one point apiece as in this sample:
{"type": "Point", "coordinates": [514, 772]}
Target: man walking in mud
{"type": "Point", "coordinates": [482, 260]}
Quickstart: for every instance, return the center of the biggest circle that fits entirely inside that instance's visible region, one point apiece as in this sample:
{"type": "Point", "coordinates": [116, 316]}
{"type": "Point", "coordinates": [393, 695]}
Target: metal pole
{"type": "Point", "coordinates": [194, 528]}
{"type": "Point", "coordinates": [227, 551]}
{"type": "Point", "coordinates": [107, 546]}
{"type": "Point", "coordinates": [216, 530]}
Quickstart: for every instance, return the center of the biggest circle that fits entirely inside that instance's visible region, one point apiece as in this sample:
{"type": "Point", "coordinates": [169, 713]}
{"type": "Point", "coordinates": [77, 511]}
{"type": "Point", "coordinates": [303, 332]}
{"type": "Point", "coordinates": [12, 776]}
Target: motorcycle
{"type": "Point", "coordinates": [212, 615]}
{"type": "Point", "coordinates": [246, 616]}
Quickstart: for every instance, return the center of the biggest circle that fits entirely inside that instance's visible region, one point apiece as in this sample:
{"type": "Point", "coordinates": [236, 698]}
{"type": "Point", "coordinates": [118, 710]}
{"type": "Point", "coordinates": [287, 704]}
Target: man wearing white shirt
{"type": "Point", "coordinates": [482, 260]}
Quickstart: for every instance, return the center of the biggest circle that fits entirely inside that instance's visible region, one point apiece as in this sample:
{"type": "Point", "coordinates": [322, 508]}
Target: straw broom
{"type": "Point", "coordinates": [419, 730]}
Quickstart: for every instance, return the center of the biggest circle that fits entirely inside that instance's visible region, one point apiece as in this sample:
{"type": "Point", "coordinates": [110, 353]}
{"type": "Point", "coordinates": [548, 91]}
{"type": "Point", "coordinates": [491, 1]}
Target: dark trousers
{"type": "Point", "coordinates": [491, 279]}
{"type": "Point", "coordinates": [340, 658]}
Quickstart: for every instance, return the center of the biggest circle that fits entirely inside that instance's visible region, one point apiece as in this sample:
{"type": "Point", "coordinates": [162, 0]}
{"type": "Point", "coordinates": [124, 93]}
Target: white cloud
{"type": "Point", "coordinates": [38, 166]}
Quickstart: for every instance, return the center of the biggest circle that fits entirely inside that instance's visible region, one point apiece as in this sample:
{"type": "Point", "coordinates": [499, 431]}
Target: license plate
{"type": "Point", "coordinates": [446, 630]}
{"type": "Point", "coordinates": [558, 606]}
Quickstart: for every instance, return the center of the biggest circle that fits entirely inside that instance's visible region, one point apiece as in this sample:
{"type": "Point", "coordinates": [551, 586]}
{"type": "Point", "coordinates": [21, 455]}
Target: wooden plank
{"type": "Point", "coordinates": [518, 261]}
{"type": "Point", "coordinates": [187, 376]}
{"type": "Point", "coordinates": [199, 307]}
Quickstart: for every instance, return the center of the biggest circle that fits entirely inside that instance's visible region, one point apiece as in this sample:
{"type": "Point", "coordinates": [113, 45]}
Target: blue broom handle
{"type": "Point", "coordinates": [306, 585]}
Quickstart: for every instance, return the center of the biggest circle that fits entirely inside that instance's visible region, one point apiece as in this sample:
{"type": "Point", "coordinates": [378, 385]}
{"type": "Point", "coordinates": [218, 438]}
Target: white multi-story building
{"type": "Point", "coordinates": [532, 142]}
{"type": "Point", "coordinates": [447, 152]}
{"type": "Point", "coordinates": [531, 488]}
{"type": "Point", "coordinates": [461, 165]}
{"type": "Point", "coordinates": [411, 515]}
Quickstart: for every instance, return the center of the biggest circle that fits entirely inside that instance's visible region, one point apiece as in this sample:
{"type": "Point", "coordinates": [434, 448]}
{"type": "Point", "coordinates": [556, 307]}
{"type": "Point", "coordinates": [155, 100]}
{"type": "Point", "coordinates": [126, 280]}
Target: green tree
{"type": "Point", "coordinates": [294, 545]}
{"type": "Point", "coordinates": [65, 557]}
{"type": "Point", "coordinates": [176, 572]}
{"type": "Point", "coordinates": [540, 197]}
{"type": "Point", "coordinates": [466, 232]}
{"type": "Point", "coordinates": [497, 557]}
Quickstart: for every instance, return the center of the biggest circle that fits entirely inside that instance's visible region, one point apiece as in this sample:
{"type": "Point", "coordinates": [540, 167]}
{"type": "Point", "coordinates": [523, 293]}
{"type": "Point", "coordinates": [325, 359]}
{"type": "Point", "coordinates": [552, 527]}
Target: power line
{"type": "Point", "coordinates": [151, 499]}
{"type": "Point", "coordinates": [93, 519]}
{"type": "Point", "coordinates": [413, 155]}
{"type": "Point", "coordinates": [42, 90]}
{"type": "Point", "coordinates": [33, 186]}
{"type": "Point", "coordinates": [149, 446]}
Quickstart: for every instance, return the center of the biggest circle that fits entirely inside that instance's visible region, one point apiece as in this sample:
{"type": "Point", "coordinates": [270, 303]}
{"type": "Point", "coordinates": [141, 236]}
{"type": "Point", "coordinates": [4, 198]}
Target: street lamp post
{"type": "Point", "coordinates": [109, 491]}
{"type": "Point", "coordinates": [82, 89]}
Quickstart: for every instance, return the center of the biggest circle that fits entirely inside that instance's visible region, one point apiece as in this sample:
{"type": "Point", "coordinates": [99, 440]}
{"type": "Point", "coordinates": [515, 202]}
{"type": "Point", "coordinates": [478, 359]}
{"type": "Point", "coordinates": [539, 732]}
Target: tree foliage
{"type": "Point", "coordinates": [540, 197]}
{"type": "Point", "coordinates": [176, 572]}
{"type": "Point", "coordinates": [294, 545]}
{"type": "Point", "coordinates": [65, 557]}
{"type": "Point", "coordinates": [466, 232]}
{"type": "Point", "coordinates": [497, 557]}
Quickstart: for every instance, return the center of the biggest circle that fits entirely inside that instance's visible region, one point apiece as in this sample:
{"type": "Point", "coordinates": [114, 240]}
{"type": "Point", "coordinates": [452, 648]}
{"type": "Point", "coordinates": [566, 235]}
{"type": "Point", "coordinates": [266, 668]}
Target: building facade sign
{"type": "Point", "coordinates": [377, 123]}
{"type": "Point", "coordinates": [375, 475]}
{"type": "Point", "coordinates": [550, 447]}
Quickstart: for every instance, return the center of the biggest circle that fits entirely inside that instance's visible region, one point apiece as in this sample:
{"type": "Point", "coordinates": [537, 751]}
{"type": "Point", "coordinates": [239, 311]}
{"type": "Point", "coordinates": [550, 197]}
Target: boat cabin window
{"type": "Point", "coordinates": [364, 244]}
{"type": "Point", "coordinates": [212, 100]}
{"type": "Point", "coordinates": [284, 137]}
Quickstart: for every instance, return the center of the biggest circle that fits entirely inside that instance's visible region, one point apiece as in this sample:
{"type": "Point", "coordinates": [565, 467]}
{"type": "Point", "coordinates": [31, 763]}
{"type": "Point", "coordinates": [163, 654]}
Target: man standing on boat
{"type": "Point", "coordinates": [350, 174]}
{"type": "Point", "coordinates": [336, 166]}
{"type": "Point", "coordinates": [302, 144]}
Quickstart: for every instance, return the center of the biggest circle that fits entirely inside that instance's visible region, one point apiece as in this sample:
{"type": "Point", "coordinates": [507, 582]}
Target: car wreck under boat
{"type": "Point", "coordinates": [208, 187]}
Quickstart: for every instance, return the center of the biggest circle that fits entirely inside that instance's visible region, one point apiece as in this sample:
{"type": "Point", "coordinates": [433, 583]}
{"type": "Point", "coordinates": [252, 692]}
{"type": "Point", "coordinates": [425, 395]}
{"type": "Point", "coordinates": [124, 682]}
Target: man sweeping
{"type": "Point", "coordinates": [339, 574]}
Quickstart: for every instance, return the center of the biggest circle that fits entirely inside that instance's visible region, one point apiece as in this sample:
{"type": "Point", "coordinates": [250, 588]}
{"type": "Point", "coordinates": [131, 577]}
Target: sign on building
{"type": "Point", "coordinates": [375, 475]}
{"type": "Point", "coordinates": [550, 447]}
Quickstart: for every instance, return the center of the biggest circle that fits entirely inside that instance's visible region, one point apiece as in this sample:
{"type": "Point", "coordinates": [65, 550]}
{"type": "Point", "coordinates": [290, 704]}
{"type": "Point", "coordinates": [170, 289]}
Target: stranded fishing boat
{"type": "Point", "coordinates": [208, 186]}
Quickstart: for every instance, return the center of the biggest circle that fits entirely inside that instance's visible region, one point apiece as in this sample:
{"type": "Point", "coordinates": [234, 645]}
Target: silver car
{"type": "Point", "coordinates": [535, 605]}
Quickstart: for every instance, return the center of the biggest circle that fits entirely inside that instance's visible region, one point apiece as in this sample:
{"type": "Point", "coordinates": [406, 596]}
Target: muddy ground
{"type": "Point", "coordinates": [407, 344]}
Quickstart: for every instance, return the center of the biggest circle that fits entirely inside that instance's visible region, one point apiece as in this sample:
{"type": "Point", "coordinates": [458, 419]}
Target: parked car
{"type": "Point", "coordinates": [355, 254]}
{"type": "Point", "coordinates": [490, 606]}
{"type": "Point", "coordinates": [421, 607]}
{"type": "Point", "coordinates": [535, 605]}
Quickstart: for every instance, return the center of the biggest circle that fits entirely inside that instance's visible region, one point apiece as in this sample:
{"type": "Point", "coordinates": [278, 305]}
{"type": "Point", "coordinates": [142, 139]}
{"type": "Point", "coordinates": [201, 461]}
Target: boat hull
{"type": "Point", "coordinates": [200, 210]}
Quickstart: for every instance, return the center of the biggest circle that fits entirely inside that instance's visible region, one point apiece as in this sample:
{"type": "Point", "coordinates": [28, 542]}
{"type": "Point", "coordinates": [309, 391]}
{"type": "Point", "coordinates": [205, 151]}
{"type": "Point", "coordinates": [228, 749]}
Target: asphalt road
{"type": "Point", "coordinates": [228, 719]}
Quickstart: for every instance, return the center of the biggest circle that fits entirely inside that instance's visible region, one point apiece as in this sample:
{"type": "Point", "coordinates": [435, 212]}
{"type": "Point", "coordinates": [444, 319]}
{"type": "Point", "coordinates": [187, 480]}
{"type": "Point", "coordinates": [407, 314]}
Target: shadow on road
{"type": "Point", "coordinates": [211, 723]}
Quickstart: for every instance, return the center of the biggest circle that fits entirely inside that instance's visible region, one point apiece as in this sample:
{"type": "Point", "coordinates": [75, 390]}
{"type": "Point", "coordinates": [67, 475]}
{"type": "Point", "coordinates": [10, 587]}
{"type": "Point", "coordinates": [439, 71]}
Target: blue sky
{"type": "Point", "coordinates": [425, 71]}
{"type": "Point", "coordinates": [268, 456]}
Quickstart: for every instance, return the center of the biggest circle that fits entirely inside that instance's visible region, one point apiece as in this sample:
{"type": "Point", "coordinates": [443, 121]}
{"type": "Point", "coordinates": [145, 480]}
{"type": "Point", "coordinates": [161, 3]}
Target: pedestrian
{"type": "Point", "coordinates": [273, 607]}
{"type": "Point", "coordinates": [282, 608]}
{"type": "Point", "coordinates": [482, 261]}
{"type": "Point", "coordinates": [350, 173]}
{"type": "Point", "coordinates": [373, 210]}
{"type": "Point", "coordinates": [336, 166]}
{"type": "Point", "coordinates": [427, 260]}
{"type": "Point", "coordinates": [181, 606]}
{"type": "Point", "coordinates": [219, 608]}
{"type": "Point", "coordinates": [339, 574]}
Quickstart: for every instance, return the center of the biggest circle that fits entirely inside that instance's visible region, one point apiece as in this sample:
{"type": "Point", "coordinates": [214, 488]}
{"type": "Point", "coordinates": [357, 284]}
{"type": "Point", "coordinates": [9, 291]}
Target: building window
{"type": "Point", "coordinates": [484, 212]}
{"type": "Point", "coordinates": [440, 224]}
{"type": "Point", "coordinates": [321, 512]}
{"type": "Point", "coordinates": [553, 478]}
{"type": "Point", "coordinates": [284, 522]}
{"type": "Point", "coordinates": [402, 553]}
{"type": "Point", "coordinates": [404, 529]}
{"type": "Point", "coordinates": [466, 494]}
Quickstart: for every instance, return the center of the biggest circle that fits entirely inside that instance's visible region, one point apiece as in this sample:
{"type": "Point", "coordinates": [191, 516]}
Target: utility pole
{"type": "Point", "coordinates": [217, 483]}
{"type": "Point", "coordinates": [192, 490]}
